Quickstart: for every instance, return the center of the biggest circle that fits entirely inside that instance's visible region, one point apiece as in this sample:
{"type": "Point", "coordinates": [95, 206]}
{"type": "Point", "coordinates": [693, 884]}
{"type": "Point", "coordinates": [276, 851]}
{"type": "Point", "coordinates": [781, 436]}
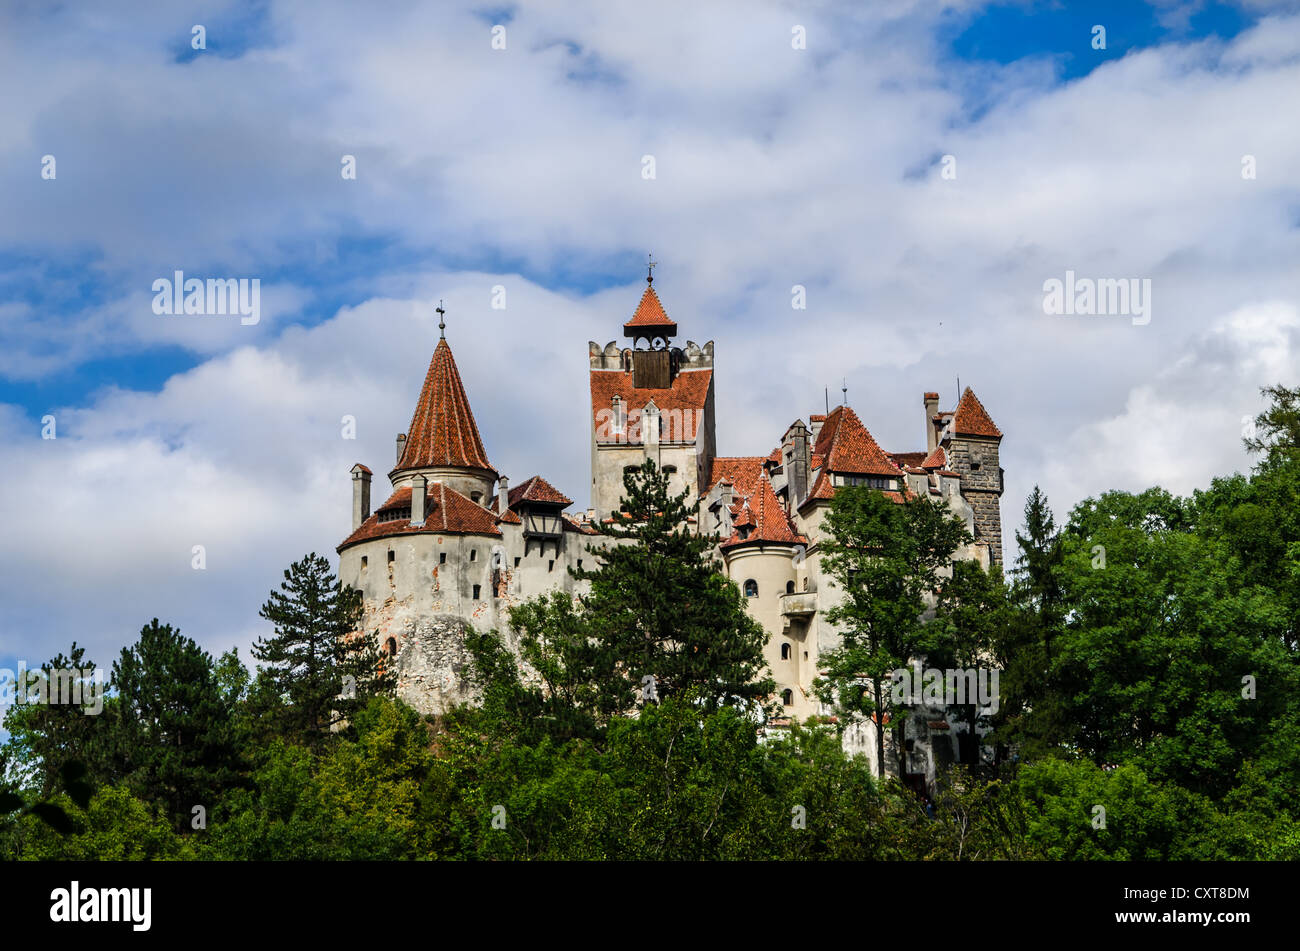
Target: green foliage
{"type": "Point", "coordinates": [885, 557]}
{"type": "Point", "coordinates": [317, 663]}
{"type": "Point", "coordinates": [172, 741]}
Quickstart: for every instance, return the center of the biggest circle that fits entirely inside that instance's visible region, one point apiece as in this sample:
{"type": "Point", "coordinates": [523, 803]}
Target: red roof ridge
{"type": "Point", "coordinates": [537, 489]}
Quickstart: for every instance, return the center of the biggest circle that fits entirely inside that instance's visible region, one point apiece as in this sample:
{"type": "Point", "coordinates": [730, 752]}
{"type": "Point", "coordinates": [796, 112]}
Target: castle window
{"type": "Point", "coordinates": [550, 565]}
{"type": "Point", "coordinates": [392, 555]}
{"type": "Point", "coordinates": [477, 589]}
{"type": "Point", "coordinates": [364, 560]}
{"type": "Point", "coordinates": [442, 557]}
{"type": "Point", "coordinates": [390, 647]}
{"type": "Point", "coordinates": [787, 698]}
{"type": "Point", "coordinates": [789, 587]}
{"type": "Point", "coordinates": [579, 564]}
{"type": "Point", "coordinates": [473, 554]}
{"type": "Point", "coordinates": [751, 588]}
{"type": "Point", "coordinates": [476, 496]}
{"type": "Point", "coordinates": [785, 651]}
{"type": "Point", "coordinates": [516, 561]}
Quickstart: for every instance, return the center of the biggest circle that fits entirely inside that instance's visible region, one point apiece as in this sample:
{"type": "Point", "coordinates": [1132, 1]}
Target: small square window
{"type": "Point", "coordinates": [392, 555]}
{"type": "Point", "coordinates": [516, 561]}
{"type": "Point", "coordinates": [442, 557]}
{"type": "Point", "coordinates": [477, 588]}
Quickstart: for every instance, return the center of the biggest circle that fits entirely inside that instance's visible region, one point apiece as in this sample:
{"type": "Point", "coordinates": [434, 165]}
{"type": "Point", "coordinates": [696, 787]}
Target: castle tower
{"type": "Point", "coordinates": [424, 560]}
{"type": "Point", "coordinates": [971, 442]}
{"type": "Point", "coordinates": [651, 400]}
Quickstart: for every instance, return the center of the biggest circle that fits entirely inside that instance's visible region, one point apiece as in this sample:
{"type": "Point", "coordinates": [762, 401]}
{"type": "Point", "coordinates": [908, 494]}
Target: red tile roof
{"type": "Point", "coordinates": [902, 459]}
{"type": "Point", "coordinates": [767, 516]}
{"type": "Point", "coordinates": [446, 512]}
{"type": "Point", "coordinates": [364, 469]}
{"type": "Point", "coordinates": [743, 472]}
{"type": "Point", "coordinates": [971, 419]}
{"type": "Point", "coordinates": [935, 460]}
{"type": "Point", "coordinates": [681, 406]}
{"type": "Point", "coordinates": [537, 489]}
{"type": "Point", "coordinates": [442, 431]}
{"type": "Point", "coordinates": [650, 317]}
{"type": "Point", "coordinates": [849, 448]}
{"type": "Point", "coordinates": [571, 524]}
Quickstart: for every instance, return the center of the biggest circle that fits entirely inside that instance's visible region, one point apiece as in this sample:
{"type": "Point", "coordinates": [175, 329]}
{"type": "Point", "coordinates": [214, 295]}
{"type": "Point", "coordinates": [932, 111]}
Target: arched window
{"type": "Point", "coordinates": [787, 698]}
{"type": "Point", "coordinates": [785, 651]}
{"type": "Point", "coordinates": [789, 587]}
{"type": "Point", "coordinates": [476, 497]}
{"type": "Point", "coordinates": [751, 588]}
{"type": "Point", "coordinates": [390, 647]}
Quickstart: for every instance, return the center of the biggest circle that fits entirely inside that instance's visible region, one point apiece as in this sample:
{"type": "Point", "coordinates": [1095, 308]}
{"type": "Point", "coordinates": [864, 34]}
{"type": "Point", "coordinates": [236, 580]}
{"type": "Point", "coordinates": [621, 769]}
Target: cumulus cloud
{"type": "Point", "coordinates": [523, 167]}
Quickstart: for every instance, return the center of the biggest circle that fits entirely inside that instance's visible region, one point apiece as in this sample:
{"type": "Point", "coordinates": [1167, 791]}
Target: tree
{"type": "Point", "coordinates": [171, 729]}
{"type": "Point", "coordinates": [885, 557]}
{"type": "Point", "coordinates": [972, 611]}
{"type": "Point", "coordinates": [45, 737]}
{"type": "Point", "coordinates": [659, 607]}
{"type": "Point", "coordinates": [317, 660]}
{"type": "Point", "coordinates": [1025, 646]}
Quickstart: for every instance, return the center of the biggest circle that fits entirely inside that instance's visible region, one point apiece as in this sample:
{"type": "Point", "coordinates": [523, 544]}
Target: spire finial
{"type": "Point", "coordinates": [845, 390]}
{"type": "Point", "coordinates": [442, 326]}
{"type": "Point", "coordinates": [650, 269]}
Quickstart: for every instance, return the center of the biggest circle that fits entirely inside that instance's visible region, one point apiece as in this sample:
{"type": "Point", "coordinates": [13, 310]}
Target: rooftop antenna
{"type": "Point", "coordinates": [442, 327]}
{"type": "Point", "coordinates": [650, 269]}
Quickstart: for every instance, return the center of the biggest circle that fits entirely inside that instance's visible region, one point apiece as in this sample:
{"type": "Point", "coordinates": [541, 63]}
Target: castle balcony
{"type": "Point", "coordinates": [799, 604]}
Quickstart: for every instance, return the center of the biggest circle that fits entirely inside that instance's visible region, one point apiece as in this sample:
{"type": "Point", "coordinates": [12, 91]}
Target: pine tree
{"type": "Point", "coordinates": [661, 607]}
{"type": "Point", "coordinates": [319, 663]}
{"type": "Point", "coordinates": [172, 739]}
{"type": "Point", "coordinates": [660, 620]}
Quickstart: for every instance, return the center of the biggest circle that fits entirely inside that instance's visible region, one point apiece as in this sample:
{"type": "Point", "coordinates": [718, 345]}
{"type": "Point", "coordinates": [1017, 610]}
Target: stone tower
{"type": "Point", "coordinates": [971, 441]}
{"type": "Point", "coordinates": [651, 400]}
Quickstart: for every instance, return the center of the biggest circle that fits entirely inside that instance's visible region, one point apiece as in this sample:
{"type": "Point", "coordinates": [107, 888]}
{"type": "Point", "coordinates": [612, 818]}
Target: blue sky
{"type": "Point", "coordinates": [522, 168]}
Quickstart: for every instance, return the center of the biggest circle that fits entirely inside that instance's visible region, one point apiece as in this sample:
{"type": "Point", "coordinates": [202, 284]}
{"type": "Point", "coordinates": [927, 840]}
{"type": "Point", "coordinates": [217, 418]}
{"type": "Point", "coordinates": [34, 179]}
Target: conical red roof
{"type": "Point", "coordinates": [442, 431]}
{"type": "Point", "coordinates": [971, 419]}
{"type": "Point", "coordinates": [765, 513]}
{"type": "Point", "coordinates": [650, 317]}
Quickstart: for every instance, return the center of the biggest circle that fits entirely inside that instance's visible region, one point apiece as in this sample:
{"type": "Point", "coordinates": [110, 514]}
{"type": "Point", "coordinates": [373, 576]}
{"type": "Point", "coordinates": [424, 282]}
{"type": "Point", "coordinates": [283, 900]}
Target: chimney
{"type": "Point", "coordinates": [418, 485]}
{"type": "Point", "coordinates": [931, 411]}
{"type": "Point", "coordinates": [503, 486]}
{"type": "Point", "coordinates": [401, 447]}
{"type": "Point", "coordinates": [360, 495]}
{"type": "Point", "coordinates": [798, 471]}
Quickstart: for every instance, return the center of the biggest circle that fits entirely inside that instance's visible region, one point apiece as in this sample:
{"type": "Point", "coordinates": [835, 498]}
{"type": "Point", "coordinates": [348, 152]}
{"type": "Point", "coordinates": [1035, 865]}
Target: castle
{"type": "Point", "coordinates": [455, 544]}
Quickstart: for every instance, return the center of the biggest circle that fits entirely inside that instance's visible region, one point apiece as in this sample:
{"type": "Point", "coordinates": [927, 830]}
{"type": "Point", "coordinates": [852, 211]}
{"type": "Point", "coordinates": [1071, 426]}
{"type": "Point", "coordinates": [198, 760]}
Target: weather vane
{"type": "Point", "coordinates": [650, 269]}
{"type": "Point", "coordinates": [442, 327]}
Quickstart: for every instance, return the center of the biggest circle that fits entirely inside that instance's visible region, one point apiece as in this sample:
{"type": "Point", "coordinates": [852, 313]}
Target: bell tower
{"type": "Point", "coordinates": [653, 400]}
